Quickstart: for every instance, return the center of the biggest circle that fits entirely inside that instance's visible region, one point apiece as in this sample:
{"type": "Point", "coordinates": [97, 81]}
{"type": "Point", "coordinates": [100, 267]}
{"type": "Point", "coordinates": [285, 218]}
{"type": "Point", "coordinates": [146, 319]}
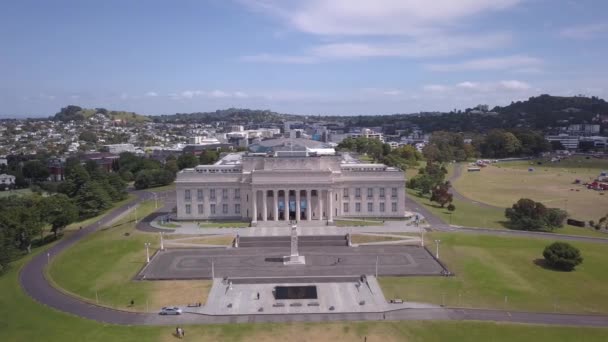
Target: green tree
{"type": "Point", "coordinates": [529, 215]}
{"type": "Point", "coordinates": [562, 256]}
{"type": "Point", "coordinates": [88, 136]}
{"type": "Point", "coordinates": [92, 199]}
{"type": "Point", "coordinates": [208, 157]}
{"type": "Point", "coordinates": [187, 161]}
{"type": "Point", "coordinates": [59, 211]}
{"type": "Point", "coordinates": [35, 170]}
{"type": "Point", "coordinates": [441, 194]}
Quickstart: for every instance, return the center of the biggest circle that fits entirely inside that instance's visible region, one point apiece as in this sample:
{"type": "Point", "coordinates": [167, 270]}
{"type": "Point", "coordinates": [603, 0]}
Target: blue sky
{"type": "Point", "coordinates": [305, 57]}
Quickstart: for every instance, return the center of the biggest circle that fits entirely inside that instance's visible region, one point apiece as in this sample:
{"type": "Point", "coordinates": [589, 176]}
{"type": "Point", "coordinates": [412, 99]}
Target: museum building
{"type": "Point", "coordinates": [285, 185]}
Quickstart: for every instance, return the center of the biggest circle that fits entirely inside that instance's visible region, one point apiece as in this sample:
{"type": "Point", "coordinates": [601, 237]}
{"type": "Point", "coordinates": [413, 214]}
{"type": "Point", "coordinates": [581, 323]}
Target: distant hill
{"type": "Point", "coordinates": [235, 115]}
{"type": "Point", "coordinates": [545, 110]}
{"type": "Point", "coordinates": [77, 113]}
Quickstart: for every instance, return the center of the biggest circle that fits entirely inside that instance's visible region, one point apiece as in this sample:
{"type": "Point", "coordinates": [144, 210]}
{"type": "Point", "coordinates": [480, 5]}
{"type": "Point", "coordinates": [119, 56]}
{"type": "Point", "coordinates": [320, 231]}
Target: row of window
{"type": "Point", "coordinates": [212, 196]}
{"type": "Point", "coordinates": [212, 209]}
{"type": "Point", "coordinates": [370, 207]}
{"type": "Point", "coordinates": [370, 192]}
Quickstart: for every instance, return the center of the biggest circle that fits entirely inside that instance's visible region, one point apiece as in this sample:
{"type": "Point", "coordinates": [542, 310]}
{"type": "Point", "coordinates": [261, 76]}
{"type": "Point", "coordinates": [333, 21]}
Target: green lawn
{"type": "Point", "coordinates": [84, 223]}
{"type": "Point", "coordinates": [466, 214]}
{"type": "Point", "coordinates": [350, 223]}
{"type": "Point", "coordinates": [504, 184]}
{"type": "Point", "coordinates": [488, 268]}
{"type": "Point", "coordinates": [112, 260]}
{"type": "Point", "coordinates": [16, 192]}
{"type": "Point", "coordinates": [22, 319]}
{"type": "Point", "coordinates": [224, 224]}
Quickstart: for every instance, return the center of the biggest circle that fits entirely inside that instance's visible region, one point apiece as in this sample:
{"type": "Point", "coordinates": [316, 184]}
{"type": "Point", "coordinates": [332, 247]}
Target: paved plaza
{"type": "Point", "coordinates": [343, 297]}
{"type": "Point", "coordinates": [201, 263]}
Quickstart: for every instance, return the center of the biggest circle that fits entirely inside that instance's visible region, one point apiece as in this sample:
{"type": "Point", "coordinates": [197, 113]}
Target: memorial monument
{"type": "Point", "coordinates": [294, 258]}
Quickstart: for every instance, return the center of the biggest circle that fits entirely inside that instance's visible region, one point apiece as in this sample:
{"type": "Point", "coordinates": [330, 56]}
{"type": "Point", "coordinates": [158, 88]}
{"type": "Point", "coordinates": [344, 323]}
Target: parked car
{"type": "Point", "coordinates": [170, 311]}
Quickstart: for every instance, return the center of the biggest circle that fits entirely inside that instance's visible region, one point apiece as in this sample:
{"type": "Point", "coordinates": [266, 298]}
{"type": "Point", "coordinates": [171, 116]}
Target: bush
{"type": "Point", "coordinates": [562, 256]}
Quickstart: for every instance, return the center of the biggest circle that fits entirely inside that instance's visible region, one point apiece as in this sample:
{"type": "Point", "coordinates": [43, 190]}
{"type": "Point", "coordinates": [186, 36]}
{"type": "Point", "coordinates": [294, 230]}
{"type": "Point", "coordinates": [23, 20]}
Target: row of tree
{"type": "Point", "coordinates": [401, 157]}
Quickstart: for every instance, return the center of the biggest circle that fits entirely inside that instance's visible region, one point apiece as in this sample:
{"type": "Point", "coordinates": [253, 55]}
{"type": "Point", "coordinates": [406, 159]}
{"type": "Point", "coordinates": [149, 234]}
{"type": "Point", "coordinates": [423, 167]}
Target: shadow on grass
{"type": "Point", "coordinates": [542, 263]}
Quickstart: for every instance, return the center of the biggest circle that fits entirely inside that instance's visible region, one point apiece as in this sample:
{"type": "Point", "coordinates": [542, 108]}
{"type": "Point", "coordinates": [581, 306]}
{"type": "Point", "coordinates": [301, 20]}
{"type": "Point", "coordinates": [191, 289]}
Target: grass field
{"type": "Point", "coordinates": [16, 192]}
{"type": "Point", "coordinates": [466, 214]}
{"type": "Point", "coordinates": [220, 240]}
{"type": "Point", "coordinates": [360, 238]}
{"type": "Point", "coordinates": [223, 224]}
{"type": "Point", "coordinates": [22, 319]}
{"type": "Point", "coordinates": [351, 223]}
{"type": "Point", "coordinates": [112, 259]}
{"type": "Point", "coordinates": [503, 184]}
{"type": "Point", "coordinates": [490, 268]}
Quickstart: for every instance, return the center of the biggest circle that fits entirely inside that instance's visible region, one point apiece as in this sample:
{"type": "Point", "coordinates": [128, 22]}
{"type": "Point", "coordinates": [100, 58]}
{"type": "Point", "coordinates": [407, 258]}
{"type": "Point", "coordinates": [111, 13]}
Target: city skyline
{"type": "Point", "coordinates": [307, 57]}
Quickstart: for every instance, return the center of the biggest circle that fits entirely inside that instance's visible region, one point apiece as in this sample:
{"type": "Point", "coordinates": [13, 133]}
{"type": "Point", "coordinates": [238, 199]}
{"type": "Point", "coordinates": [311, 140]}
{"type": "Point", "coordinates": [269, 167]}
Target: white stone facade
{"type": "Point", "coordinates": [260, 188]}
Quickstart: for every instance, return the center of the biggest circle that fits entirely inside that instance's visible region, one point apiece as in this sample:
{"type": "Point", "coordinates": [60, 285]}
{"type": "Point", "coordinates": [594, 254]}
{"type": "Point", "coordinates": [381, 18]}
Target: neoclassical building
{"type": "Point", "coordinates": [289, 185]}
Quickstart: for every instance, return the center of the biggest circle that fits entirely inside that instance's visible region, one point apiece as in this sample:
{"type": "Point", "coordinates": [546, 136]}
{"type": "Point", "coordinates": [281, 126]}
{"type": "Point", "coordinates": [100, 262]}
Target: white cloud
{"type": "Point", "coordinates": [287, 59]}
{"type": "Point", "coordinates": [47, 96]}
{"type": "Point", "coordinates": [468, 85]}
{"type": "Point", "coordinates": [435, 88]}
{"type": "Point", "coordinates": [151, 94]}
{"type": "Point", "coordinates": [413, 29]}
{"type": "Point", "coordinates": [584, 32]}
{"type": "Point", "coordinates": [379, 17]}
{"type": "Point", "coordinates": [240, 94]}
{"type": "Point", "coordinates": [517, 62]}
{"type": "Point", "coordinates": [514, 85]}
{"type": "Point", "coordinates": [219, 93]}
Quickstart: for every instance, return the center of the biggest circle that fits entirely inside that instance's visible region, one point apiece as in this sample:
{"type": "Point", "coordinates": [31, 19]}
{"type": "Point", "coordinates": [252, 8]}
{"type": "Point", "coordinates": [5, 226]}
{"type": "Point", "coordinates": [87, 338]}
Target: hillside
{"type": "Point", "coordinates": [235, 115]}
{"type": "Point", "coordinates": [77, 113]}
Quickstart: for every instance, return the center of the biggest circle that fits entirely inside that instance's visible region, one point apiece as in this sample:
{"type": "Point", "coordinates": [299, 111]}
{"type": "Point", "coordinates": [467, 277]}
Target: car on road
{"type": "Point", "coordinates": [174, 310]}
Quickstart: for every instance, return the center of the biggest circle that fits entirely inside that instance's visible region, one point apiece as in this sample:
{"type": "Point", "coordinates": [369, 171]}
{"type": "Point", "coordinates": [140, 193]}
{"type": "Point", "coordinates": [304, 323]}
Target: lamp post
{"type": "Point", "coordinates": [421, 237]}
{"type": "Point", "coordinates": [155, 200]}
{"type": "Point", "coordinates": [147, 244]}
{"type": "Point", "coordinates": [162, 246]}
{"type": "Point", "coordinates": [437, 249]}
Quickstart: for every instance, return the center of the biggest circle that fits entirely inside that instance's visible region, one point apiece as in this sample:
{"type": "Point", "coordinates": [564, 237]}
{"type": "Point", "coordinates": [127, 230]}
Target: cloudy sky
{"type": "Point", "coordinates": [297, 56]}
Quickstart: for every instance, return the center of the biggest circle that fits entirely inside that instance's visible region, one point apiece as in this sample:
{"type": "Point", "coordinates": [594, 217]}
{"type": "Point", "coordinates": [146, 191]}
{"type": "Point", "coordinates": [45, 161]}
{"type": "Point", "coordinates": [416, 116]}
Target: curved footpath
{"type": "Point", "coordinates": [35, 284]}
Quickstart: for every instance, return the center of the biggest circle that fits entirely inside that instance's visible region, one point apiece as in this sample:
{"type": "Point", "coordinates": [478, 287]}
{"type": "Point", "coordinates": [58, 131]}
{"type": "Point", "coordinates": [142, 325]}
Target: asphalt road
{"type": "Point", "coordinates": [34, 283]}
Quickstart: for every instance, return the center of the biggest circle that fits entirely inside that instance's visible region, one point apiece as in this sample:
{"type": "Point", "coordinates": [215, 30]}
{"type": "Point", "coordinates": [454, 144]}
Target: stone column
{"type": "Point", "coordinates": [330, 207]}
{"type": "Point", "coordinates": [275, 204]}
{"type": "Point", "coordinates": [265, 205]}
{"type": "Point", "coordinates": [206, 201]}
{"type": "Point", "coordinates": [308, 205]}
{"type": "Point", "coordinates": [298, 205]}
{"type": "Point", "coordinates": [286, 205]}
{"type": "Point", "coordinates": [320, 197]}
{"type": "Point", "coordinates": [254, 203]}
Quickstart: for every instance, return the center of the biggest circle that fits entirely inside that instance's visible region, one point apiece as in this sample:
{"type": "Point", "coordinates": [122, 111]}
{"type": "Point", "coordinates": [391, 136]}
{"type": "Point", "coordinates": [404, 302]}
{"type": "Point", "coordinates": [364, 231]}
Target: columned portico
{"type": "Point", "coordinates": [303, 187]}
{"type": "Point", "coordinates": [308, 205]}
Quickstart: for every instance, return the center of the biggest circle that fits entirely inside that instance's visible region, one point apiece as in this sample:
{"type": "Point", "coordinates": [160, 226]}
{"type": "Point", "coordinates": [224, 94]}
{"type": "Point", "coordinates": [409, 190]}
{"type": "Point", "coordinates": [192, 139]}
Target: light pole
{"type": "Point", "coordinates": [377, 257]}
{"type": "Point", "coordinates": [147, 244]}
{"type": "Point", "coordinates": [155, 200]}
{"type": "Point", "coordinates": [437, 249]}
{"type": "Point", "coordinates": [421, 237]}
{"type": "Point", "coordinates": [162, 246]}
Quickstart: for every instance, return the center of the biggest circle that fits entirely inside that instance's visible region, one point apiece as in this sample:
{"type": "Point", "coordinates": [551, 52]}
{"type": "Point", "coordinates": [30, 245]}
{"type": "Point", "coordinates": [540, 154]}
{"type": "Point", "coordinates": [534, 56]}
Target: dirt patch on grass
{"type": "Point", "coordinates": [178, 292]}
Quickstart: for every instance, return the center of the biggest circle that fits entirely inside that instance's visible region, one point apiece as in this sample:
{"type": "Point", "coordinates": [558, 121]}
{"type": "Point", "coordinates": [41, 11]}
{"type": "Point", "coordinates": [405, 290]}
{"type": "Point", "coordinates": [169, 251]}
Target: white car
{"type": "Point", "coordinates": [174, 310]}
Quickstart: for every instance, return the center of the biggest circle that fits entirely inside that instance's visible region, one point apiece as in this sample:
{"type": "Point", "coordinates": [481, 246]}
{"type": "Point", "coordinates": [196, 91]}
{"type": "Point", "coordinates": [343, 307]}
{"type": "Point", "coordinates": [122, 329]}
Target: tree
{"type": "Point", "coordinates": [529, 215]}
{"type": "Point", "coordinates": [186, 161]}
{"type": "Point", "coordinates": [152, 178]}
{"type": "Point", "coordinates": [602, 223]}
{"type": "Point", "coordinates": [441, 195]}
{"type": "Point", "coordinates": [428, 177]}
{"type": "Point", "coordinates": [88, 136]}
{"type": "Point", "coordinates": [59, 211]}
{"type": "Point", "coordinates": [562, 256]}
{"type": "Point", "coordinates": [208, 157]}
{"type": "Point", "coordinates": [451, 207]}
{"type": "Point", "coordinates": [92, 199]}
{"type": "Point", "coordinates": [35, 170]}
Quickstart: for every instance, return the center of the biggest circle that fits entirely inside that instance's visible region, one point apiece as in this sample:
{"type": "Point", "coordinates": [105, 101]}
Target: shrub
{"type": "Point", "coordinates": [562, 256]}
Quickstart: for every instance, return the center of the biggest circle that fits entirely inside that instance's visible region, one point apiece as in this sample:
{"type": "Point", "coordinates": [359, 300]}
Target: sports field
{"type": "Point", "coordinates": [489, 268]}
{"type": "Point", "coordinates": [550, 183]}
